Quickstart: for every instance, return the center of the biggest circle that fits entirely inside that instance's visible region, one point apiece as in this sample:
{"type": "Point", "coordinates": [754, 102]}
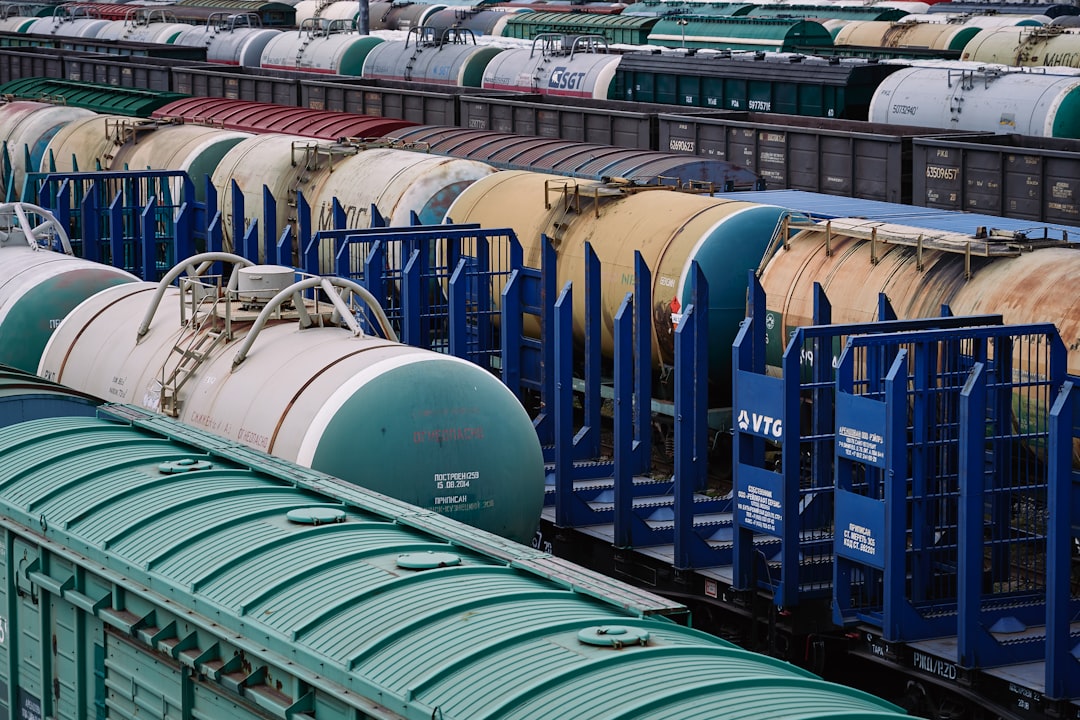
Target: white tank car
{"type": "Point", "coordinates": [319, 47]}
{"type": "Point", "coordinates": [552, 68]}
{"type": "Point", "coordinates": [266, 361]}
{"type": "Point", "coordinates": [87, 143]}
{"type": "Point", "coordinates": [28, 128]}
{"type": "Point", "coordinates": [444, 58]}
{"type": "Point", "coordinates": [994, 99]}
{"type": "Point", "coordinates": [16, 24]}
{"type": "Point", "coordinates": [397, 182]}
{"type": "Point", "coordinates": [40, 282]}
{"type": "Point", "coordinates": [67, 26]}
{"type": "Point", "coordinates": [1031, 47]}
{"type": "Point", "coordinates": [152, 28]}
{"type": "Point", "coordinates": [230, 42]}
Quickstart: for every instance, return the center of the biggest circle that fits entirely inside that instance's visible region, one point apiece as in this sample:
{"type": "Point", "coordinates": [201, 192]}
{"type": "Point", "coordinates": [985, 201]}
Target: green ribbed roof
{"type": "Point", "coordinates": [136, 102]}
{"type": "Point", "coordinates": [484, 638]}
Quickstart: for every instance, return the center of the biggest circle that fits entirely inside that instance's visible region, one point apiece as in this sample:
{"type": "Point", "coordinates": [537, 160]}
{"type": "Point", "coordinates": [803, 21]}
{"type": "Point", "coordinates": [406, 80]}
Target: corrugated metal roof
{"type": "Point", "coordinates": [482, 639]}
{"type": "Point", "coordinates": [257, 117]}
{"type": "Point", "coordinates": [135, 102]}
{"type": "Point", "coordinates": [825, 207]}
{"type": "Point", "coordinates": [521, 152]}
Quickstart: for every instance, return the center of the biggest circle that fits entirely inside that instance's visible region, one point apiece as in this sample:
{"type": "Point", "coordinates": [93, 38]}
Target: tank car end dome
{"type": "Point", "coordinates": [39, 287]}
{"type": "Point", "coordinates": [457, 440]}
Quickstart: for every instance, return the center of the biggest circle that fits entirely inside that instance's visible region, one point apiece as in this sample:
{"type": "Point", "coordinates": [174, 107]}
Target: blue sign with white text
{"type": "Point", "coordinates": [860, 429]}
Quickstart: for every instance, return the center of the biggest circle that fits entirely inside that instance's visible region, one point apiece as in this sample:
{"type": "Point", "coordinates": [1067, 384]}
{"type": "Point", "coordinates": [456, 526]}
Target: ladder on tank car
{"type": "Point", "coordinates": [192, 348]}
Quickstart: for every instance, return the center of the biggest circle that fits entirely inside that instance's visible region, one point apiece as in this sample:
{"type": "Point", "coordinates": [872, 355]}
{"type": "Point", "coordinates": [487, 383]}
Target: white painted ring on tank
{"type": "Point", "coordinates": [310, 444]}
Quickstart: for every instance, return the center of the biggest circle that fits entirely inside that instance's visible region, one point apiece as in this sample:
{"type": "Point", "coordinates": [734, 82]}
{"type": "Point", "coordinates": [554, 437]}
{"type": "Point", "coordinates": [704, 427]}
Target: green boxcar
{"type": "Point", "coordinates": [145, 577]}
{"type": "Point", "coordinates": [614, 28]}
{"type": "Point", "coordinates": [794, 86]}
{"type": "Point", "coordinates": [134, 102]}
{"type": "Point", "coordinates": [739, 33]}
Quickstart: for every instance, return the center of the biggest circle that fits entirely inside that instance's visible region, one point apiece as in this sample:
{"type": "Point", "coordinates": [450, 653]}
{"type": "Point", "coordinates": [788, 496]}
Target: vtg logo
{"type": "Point", "coordinates": [760, 424]}
{"type": "Point", "coordinates": [562, 80]}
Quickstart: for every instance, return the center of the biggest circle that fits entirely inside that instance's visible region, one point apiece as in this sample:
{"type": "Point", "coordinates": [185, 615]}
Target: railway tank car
{"type": "Point", "coordinates": [79, 22]}
{"type": "Point", "coordinates": [446, 58]}
{"type": "Point", "coordinates": [669, 229]}
{"type": "Point", "coordinates": [381, 15]}
{"type": "Point", "coordinates": [991, 99]}
{"type": "Point", "coordinates": [555, 65]}
{"type": "Point", "coordinates": [856, 259]}
{"type": "Point", "coordinates": [253, 361]}
{"type": "Point", "coordinates": [116, 143]}
{"type": "Point", "coordinates": [218, 584]}
{"type": "Point", "coordinates": [229, 39]}
{"type": "Point", "coordinates": [32, 125]}
{"type": "Point", "coordinates": [144, 27]}
{"type": "Point", "coordinates": [934, 36]}
{"type": "Point", "coordinates": [397, 182]}
{"type": "Point", "coordinates": [480, 21]}
{"type": "Point", "coordinates": [323, 47]}
{"type": "Point", "coordinates": [39, 286]}
{"type": "Point", "coordinates": [1046, 47]}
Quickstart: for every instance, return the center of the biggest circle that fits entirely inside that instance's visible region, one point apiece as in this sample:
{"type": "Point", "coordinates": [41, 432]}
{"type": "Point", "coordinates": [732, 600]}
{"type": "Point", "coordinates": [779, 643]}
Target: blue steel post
{"type": "Point", "coordinates": [337, 215]}
{"type": "Point", "coordinates": [548, 278]}
{"type": "Point", "coordinates": [587, 440]}
{"type": "Point", "coordinates": [787, 591]}
{"type": "Point", "coordinates": [563, 317]}
{"type": "Point", "coordinates": [374, 280]}
{"type": "Point", "coordinates": [147, 238]}
{"type": "Point", "coordinates": [896, 609]}
{"type": "Point", "coordinates": [842, 481]}
{"type": "Point", "coordinates": [885, 309]}
{"type": "Point", "coordinates": [61, 206]}
{"type": "Point", "coordinates": [643, 332]}
{"type": "Point", "coordinates": [1000, 507]}
{"type": "Point", "coordinates": [214, 238]}
{"type": "Point", "coordinates": [410, 302]}
{"type": "Point", "coordinates": [510, 321]}
{"type": "Point", "coordinates": [482, 291]}
{"type": "Point", "coordinates": [685, 462]}
{"type": "Point", "coordinates": [747, 355]}
{"type": "Point", "coordinates": [6, 173]}
{"type": "Point", "coordinates": [249, 246]}
{"type": "Point", "coordinates": [90, 229]}
{"type": "Point", "coordinates": [269, 224]}
{"type": "Point", "coordinates": [116, 236]}
{"type": "Point", "coordinates": [339, 251]}
{"type": "Point", "coordinates": [1062, 672]}
{"type": "Point", "coordinates": [184, 232]}
{"type": "Point", "coordinates": [622, 413]}
{"type": "Point", "coordinates": [304, 240]}
{"type": "Point", "coordinates": [691, 416]}
{"type": "Point", "coordinates": [822, 400]}
{"type": "Point", "coordinates": [213, 210]}
{"type": "Point", "coordinates": [377, 220]}
{"type": "Point", "coordinates": [459, 341]}
{"type": "Point", "coordinates": [700, 298]}
{"type": "Point", "coordinates": [283, 254]}
{"type": "Point", "coordinates": [236, 222]}
{"type": "Point", "coordinates": [972, 479]}
{"type": "Point", "coordinates": [923, 521]}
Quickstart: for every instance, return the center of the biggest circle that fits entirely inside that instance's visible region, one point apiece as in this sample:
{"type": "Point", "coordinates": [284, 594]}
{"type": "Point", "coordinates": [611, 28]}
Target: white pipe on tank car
{"type": "Point", "coordinates": [204, 260]}
{"type": "Point", "coordinates": [327, 284]}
